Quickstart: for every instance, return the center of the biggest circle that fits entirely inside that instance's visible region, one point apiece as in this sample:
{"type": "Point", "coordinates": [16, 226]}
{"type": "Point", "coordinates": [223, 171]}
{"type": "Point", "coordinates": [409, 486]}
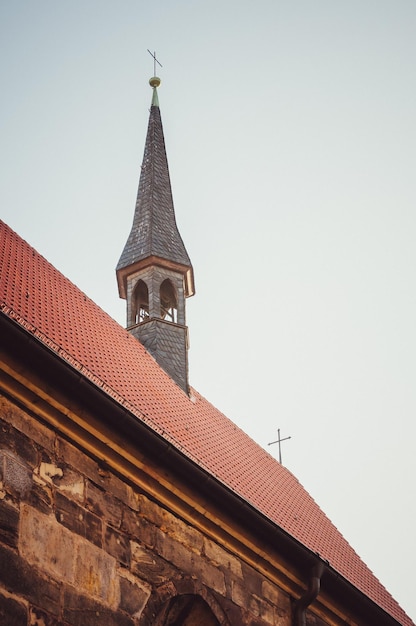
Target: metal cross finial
{"type": "Point", "coordinates": [154, 61]}
{"type": "Point", "coordinates": [278, 440]}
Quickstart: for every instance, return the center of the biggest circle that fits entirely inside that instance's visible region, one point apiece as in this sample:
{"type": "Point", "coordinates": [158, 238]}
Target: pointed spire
{"type": "Point", "coordinates": [154, 232]}
{"type": "Point", "coordinates": [154, 273]}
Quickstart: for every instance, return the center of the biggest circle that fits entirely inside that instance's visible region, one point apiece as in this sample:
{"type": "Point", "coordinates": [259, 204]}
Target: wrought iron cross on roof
{"type": "Point", "coordinates": [279, 440]}
{"type": "Point", "coordinates": [154, 61]}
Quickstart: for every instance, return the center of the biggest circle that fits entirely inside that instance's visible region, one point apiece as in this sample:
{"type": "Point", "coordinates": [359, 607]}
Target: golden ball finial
{"type": "Point", "coordinates": [154, 82]}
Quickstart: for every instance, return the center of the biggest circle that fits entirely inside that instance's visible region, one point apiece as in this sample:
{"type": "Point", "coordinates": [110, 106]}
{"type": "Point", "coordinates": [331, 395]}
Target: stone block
{"type": "Point", "coordinates": [118, 545]}
{"type": "Point", "coordinates": [25, 448]}
{"type": "Point", "coordinates": [133, 594]}
{"type": "Point", "coordinates": [239, 594]}
{"type": "Point", "coordinates": [183, 533]}
{"type": "Point", "coordinates": [93, 529]}
{"type": "Point", "coordinates": [221, 558]}
{"type": "Point", "coordinates": [131, 522]}
{"type": "Point", "coordinates": [9, 524]}
{"type": "Point", "coordinates": [262, 608]}
{"type": "Point", "coordinates": [284, 618]}
{"type": "Point", "coordinates": [40, 497]}
{"type": "Point", "coordinates": [61, 554]}
{"type": "Point", "coordinates": [19, 577]}
{"type": "Point", "coordinates": [149, 510]}
{"type": "Point", "coordinates": [254, 606]}
{"type": "Point", "coordinates": [119, 489]}
{"type": "Point", "coordinates": [232, 611]}
{"type": "Point", "coordinates": [149, 567]}
{"type": "Point", "coordinates": [103, 505]}
{"type": "Point", "coordinates": [30, 427]}
{"type": "Point", "coordinates": [170, 524]}
{"type": "Point", "coordinates": [14, 473]}
{"type": "Point", "coordinates": [71, 483]}
{"type": "Point", "coordinates": [276, 596]}
{"type": "Point", "coordinates": [80, 610]}
{"type": "Point", "coordinates": [48, 471]}
{"type": "Point", "coordinates": [12, 612]}
{"type": "Point", "coordinates": [190, 563]}
{"type": "Point", "coordinates": [70, 514]}
{"type": "Point", "coordinates": [46, 544]}
{"type": "Point", "coordinates": [71, 456]}
{"type": "Point", "coordinates": [133, 499]}
{"type": "Point", "coordinates": [95, 574]}
{"type": "Point", "coordinates": [252, 580]}
{"type": "Point", "coordinates": [78, 519]}
{"type": "Point", "coordinates": [19, 443]}
{"type": "Point", "coordinates": [139, 529]}
{"type": "Point", "coordinates": [167, 591]}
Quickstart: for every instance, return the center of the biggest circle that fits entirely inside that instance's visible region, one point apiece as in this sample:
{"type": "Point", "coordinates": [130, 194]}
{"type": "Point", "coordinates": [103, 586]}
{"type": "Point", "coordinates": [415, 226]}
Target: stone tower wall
{"type": "Point", "coordinates": [153, 277]}
{"type": "Point", "coordinates": [167, 343]}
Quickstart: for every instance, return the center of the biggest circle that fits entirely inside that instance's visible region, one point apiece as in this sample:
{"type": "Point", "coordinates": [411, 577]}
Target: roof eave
{"type": "Point", "coordinates": [186, 270]}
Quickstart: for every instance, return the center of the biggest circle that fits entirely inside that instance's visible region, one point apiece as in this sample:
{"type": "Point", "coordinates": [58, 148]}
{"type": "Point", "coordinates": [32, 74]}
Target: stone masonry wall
{"type": "Point", "coordinates": [167, 343]}
{"type": "Point", "coordinates": [79, 546]}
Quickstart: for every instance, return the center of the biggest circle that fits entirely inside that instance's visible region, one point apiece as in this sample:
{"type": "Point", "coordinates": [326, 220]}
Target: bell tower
{"type": "Point", "coordinates": [154, 273]}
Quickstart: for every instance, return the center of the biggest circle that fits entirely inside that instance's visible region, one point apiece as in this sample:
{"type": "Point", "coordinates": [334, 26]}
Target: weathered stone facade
{"type": "Point", "coordinates": [80, 546]}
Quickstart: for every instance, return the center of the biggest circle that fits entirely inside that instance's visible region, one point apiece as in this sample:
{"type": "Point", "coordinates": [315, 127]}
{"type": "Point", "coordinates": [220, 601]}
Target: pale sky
{"type": "Point", "coordinates": [290, 132]}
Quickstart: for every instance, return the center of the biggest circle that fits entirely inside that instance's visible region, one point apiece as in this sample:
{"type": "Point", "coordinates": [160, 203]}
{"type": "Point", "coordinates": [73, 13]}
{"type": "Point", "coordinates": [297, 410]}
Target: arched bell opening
{"type": "Point", "coordinates": [168, 301]}
{"type": "Point", "coordinates": [186, 610]}
{"type": "Point", "coordinates": [141, 302]}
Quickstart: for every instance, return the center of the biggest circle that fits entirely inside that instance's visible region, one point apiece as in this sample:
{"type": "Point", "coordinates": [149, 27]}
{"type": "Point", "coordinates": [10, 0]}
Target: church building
{"type": "Point", "coordinates": [126, 498]}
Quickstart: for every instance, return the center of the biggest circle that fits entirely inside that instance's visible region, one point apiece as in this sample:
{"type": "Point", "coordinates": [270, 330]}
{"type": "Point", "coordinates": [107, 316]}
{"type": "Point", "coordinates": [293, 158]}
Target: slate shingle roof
{"type": "Point", "coordinates": [154, 231]}
{"type": "Point", "coordinates": [48, 305]}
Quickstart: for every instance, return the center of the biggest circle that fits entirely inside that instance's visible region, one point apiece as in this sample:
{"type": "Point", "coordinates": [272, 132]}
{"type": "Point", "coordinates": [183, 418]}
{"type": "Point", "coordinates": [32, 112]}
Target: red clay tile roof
{"type": "Point", "coordinates": [48, 305]}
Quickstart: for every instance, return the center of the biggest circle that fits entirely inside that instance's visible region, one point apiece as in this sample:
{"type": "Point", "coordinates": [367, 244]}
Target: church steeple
{"type": "Point", "coordinates": [154, 272]}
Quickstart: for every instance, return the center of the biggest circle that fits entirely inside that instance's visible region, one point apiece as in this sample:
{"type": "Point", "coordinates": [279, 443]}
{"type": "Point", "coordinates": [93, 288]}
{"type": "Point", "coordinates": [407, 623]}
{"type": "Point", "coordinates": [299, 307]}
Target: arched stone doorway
{"type": "Point", "coordinates": [186, 610]}
{"type": "Point", "coordinates": [183, 602]}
